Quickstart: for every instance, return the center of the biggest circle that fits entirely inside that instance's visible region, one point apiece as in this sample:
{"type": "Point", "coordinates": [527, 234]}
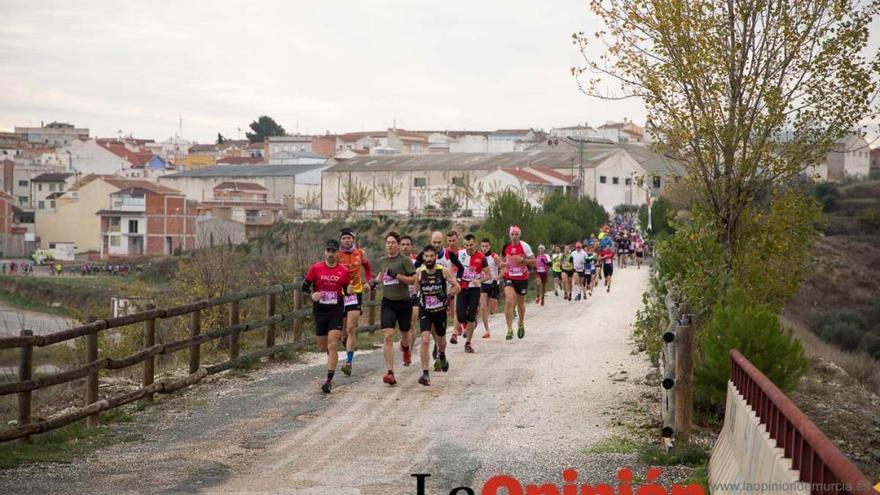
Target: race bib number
{"type": "Point", "coordinates": [541, 269]}
{"type": "Point", "coordinates": [329, 297]}
{"type": "Point", "coordinates": [608, 261]}
{"type": "Point", "coordinates": [468, 274]}
{"type": "Point", "coordinates": [351, 300]}
{"type": "Point", "coordinates": [433, 302]}
{"type": "Point", "coordinates": [386, 280]}
{"type": "Point", "coordinates": [516, 271]}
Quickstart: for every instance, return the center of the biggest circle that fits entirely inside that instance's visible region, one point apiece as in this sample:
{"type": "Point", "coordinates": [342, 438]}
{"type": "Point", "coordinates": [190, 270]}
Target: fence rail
{"type": "Point", "coordinates": [678, 364]}
{"type": "Point", "coordinates": [813, 455]}
{"type": "Point", "coordinates": [26, 342]}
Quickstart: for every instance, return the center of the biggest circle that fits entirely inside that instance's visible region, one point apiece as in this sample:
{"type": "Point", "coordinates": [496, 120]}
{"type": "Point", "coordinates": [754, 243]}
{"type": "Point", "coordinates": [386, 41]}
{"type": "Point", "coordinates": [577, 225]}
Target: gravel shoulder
{"type": "Point", "coordinates": [528, 408]}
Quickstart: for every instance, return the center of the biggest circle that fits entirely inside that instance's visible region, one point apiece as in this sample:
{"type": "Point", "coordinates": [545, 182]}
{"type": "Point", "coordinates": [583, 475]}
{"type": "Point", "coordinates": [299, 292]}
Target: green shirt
{"type": "Point", "coordinates": [556, 262]}
{"type": "Point", "coordinates": [393, 289]}
{"type": "Point", "coordinates": [567, 263]}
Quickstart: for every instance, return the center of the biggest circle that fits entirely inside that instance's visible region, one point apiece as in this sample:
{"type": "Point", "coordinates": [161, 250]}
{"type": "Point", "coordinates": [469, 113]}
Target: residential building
{"type": "Point", "coordinates": [104, 156]}
{"type": "Point", "coordinates": [72, 220]}
{"type": "Point", "coordinates": [52, 134]}
{"type": "Point", "coordinates": [575, 132]}
{"type": "Point", "coordinates": [240, 160]}
{"type": "Point", "coordinates": [296, 185]}
{"type": "Point", "coordinates": [622, 132]}
{"type": "Point", "coordinates": [279, 144]}
{"type": "Point", "coordinates": [849, 158]}
{"type": "Point", "coordinates": [469, 142]}
{"type": "Point", "coordinates": [358, 141]}
{"type": "Point", "coordinates": [407, 142]}
{"type": "Point", "coordinates": [411, 183]}
{"type": "Point", "coordinates": [507, 140]}
{"type": "Point", "coordinates": [296, 158]}
{"type": "Point", "coordinates": [10, 140]}
{"type": "Point", "coordinates": [47, 187]}
{"type": "Point", "coordinates": [532, 183]}
{"type": "Point", "coordinates": [875, 159]}
{"type": "Point", "coordinates": [243, 202]}
{"type": "Point", "coordinates": [22, 175]}
{"type": "Point", "coordinates": [144, 218]}
{"type": "Point", "coordinates": [12, 237]}
{"type": "Point", "coordinates": [173, 150]}
{"type": "Point", "coordinates": [325, 145]}
{"type": "Point", "coordinates": [206, 155]}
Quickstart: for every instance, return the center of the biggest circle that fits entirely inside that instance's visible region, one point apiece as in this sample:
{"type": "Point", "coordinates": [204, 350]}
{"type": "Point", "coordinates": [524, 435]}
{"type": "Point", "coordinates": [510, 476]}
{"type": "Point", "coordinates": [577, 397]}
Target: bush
{"type": "Point", "coordinates": [662, 214]}
{"type": "Point", "coordinates": [755, 331]}
{"type": "Point", "coordinates": [844, 328]}
{"type": "Point", "coordinates": [869, 221]}
{"type": "Point", "coordinates": [828, 194]}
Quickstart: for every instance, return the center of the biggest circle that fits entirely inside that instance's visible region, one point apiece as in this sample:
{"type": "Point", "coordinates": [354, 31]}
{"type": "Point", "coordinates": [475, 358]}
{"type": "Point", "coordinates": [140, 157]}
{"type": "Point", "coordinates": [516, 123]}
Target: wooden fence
{"type": "Point", "coordinates": [677, 385]}
{"type": "Point", "coordinates": [146, 356]}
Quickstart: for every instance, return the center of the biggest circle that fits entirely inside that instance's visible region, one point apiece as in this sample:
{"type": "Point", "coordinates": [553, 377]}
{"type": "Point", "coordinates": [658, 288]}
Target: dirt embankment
{"type": "Point", "coordinates": [72, 294]}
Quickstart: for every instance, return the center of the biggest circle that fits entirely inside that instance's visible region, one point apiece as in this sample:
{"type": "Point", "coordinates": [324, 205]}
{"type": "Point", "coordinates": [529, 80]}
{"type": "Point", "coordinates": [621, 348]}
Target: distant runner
{"type": "Point", "coordinates": [556, 268]}
{"type": "Point", "coordinates": [354, 259]}
{"type": "Point", "coordinates": [328, 282]}
{"type": "Point", "coordinates": [517, 256]}
{"type": "Point", "coordinates": [567, 266]}
{"type": "Point", "coordinates": [396, 272]}
{"type": "Point", "coordinates": [606, 255]}
{"type": "Point", "coordinates": [542, 266]}
{"type": "Point", "coordinates": [490, 292]}
{"type": "Point", "coordinates": [579, 259]}
{"type": "Point", "coordinates": [431, 284]}
{"type": "Point", "coordinates": [406, 245]}
{"type": "Point", "coordinates": [476, 271]}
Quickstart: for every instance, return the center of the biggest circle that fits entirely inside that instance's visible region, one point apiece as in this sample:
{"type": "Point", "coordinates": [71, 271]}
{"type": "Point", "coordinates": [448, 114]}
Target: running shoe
{"type": "Point", "coordinates": [487, 335]}
{"type": "Point", "coordinates": [438, 365]}
{"type": "Point", "coordinates": [424, 380]}
{"type": "Point", "coordinates": [468, 348]}
{"type": "Point", "coordinates": [542, 301]}
{"type": "Point", "coordinates": [521, 332]}
{"type": "Point", "coordinates": [556, 292]}
{"type": "Point", "coordinates": [346, 368]}
{"type": "Point", "coordinates": [453, 339]}
{"type": "Point", "coordinates": [509, 334]}
{"type": "Point", "coordinates": [608, 289]}
{"type": "Point", "coordinates": [326, 387]}
{"type": "Point", "coordinates": [389, 378]}
{"type": "Point", "coordinates": [577, 297]}
{"type": "Point", "coordinates": [407, 355]}
{"type": "Point", "coordinates": [444, 365]}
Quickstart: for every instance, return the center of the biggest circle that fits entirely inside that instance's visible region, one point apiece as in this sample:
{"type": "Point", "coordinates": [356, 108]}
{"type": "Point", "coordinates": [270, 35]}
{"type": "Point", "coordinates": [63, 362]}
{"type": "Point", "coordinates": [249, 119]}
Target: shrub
{"type": "Point", "coordinates": [844, 328]}
{"type": "Point", "coordinates": [869, 221]}
{"type": "Point", "coordinates": [755, 331]}
{"type": "Point", "coordinates": [828, 194]}
{"type": "Point", "coordinates": [662, 214]}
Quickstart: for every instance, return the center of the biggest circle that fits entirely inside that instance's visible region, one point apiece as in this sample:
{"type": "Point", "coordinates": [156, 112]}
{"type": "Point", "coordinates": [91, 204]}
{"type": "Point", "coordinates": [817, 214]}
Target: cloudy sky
{"type": "Point", "coordinates": [340, 66]}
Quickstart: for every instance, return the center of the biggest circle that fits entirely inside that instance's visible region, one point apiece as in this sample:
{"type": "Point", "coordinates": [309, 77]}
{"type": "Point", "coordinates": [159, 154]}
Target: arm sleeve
{"type": "Point", "coordinates": [453, 257]}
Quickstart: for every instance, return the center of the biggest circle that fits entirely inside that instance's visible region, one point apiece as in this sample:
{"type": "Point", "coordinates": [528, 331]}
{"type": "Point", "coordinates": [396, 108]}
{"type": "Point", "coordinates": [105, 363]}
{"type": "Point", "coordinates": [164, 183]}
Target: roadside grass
{"type": "Point", "coordinates": [70, 442]}
{"type": "Point", "coordinates": [27, 304]}
{"type": "Point", "coordinates": [615, 444]}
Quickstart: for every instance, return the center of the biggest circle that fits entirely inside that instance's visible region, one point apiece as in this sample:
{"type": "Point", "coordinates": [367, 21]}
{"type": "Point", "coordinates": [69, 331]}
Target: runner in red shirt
{"type": "Point", "coordinates": [328, 283]}
{"type": "Point", "coordinates": [607, 257]}
{"type": "Point", "coordinates": [476, 271]}
{"type": "Point", "coordinates": [516, 256]}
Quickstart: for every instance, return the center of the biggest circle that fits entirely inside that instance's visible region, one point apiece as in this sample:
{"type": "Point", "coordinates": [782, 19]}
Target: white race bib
{"type": "Point", "coordinates": [329, 297]}
{"type": "Point", "coordinates": [516, 271]}
{"type": "Point", "coordinates": [351, 300]}
{"type": "Point", "coordinates": [433, 302]}
{"type": "Point", "coordinates": [468, 274]}
{"type": "Point", "coordinates": [386, 280]}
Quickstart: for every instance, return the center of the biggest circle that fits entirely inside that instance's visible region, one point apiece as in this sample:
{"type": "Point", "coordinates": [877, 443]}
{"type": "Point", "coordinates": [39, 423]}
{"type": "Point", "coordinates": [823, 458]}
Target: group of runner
{"type": "Point", "coordinates": [449, 276]}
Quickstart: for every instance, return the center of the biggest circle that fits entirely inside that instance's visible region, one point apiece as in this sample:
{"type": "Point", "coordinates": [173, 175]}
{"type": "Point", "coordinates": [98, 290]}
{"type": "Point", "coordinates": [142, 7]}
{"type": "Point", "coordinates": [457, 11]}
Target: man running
{"type": "Point", "coordinates": [590, 269]}
{"type": "Point", "coordinates": [579, 259]}
{"type": "Point", "coordinates": [476, 271]}
{"type": "Point", "coordinates": [328, 282]}
{"type": "Point", "coordinates": [606, 255]}
{"type": "Point", "coordinates": [406, 245]}
{"type": "Point", "coordinates": [542, 266]}
{"type": "Point", "coordinates": [431, 283]}
{"type": "Point", "coordinates": [516, 256]}
{"type": "Point", "coordinates": [489, 290]}
{"type": "Point", "coordinates": [556, 268]}
{"type": "Point", "coordinates": [354, 259]}
{"type": "Point", "coordinates": [396, 272]}
{"type": "Point", "coordinates": [640, 251]}
{"type": "Point", "coordinates": [567, 267]}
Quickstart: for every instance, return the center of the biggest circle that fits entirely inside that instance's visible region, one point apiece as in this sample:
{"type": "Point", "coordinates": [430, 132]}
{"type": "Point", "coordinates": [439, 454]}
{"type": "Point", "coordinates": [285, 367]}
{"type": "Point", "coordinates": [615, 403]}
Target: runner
{"type": "Point", "coordinates": [431, 284]}
{"type": "Point", "coordinates": [406, 345]}
{"type": "Point", "coordinates": [607, 257]}
{"type": "Point", "coordinates": [354, 259]}
{"type": "Point", "coordinates": [542, 266]}
{"type": "Point", "coordinates": [489, 290]}
{"type": "Point", "coordinates": [476, 271]}
{"type": "Point", "coordinates": [396, 272]}
{"type": "Point", "coordinates": [640, 251]}
{"type": "Point", "coordinates": [328, 282]}
{"type": "Point", "coordinates": [579, 259]}
{"type": "Point", "coordinates": [516, 256]}
{"type": "Point", "coordinates": [448, 259]}
{"type": "Point", "coordinates": [453, 248]}
{"type": "Point", "coordinates": [590, 269]}
{"type": "Point", "coordinates": [567, 267]}
{"type": "Point", "coordinates": [556, 268]}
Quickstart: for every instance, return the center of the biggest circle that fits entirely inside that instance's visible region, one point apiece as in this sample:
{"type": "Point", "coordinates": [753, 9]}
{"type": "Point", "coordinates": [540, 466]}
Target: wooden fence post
{"type": "Point", "coordinates": [92, 378]}
{"type": "Point", "coordinates": [150, 362]}
{"type": "Point", "coordinates": [684, 376]}
{"type": "Point", "coordinates": [195, 328]}
{"type": "Point", "coordinates": [233, 337]}
{"type": "Point", "coordinates": [371, 312]}
{"type": "Point", "coordinates": [298, 303]}
{"type": "Point", "coordinates": [270, 312]}
{"type": "Point", "coordinates": [25, 372]}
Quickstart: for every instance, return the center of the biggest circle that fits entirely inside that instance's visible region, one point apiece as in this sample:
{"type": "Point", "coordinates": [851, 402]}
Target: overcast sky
{"type": "Point", "coordinates": [319, 65]}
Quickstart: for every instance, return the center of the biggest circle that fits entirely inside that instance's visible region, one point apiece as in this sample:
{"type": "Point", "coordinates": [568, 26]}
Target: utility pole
{"type": "Point", "coordinates": [582, 182]}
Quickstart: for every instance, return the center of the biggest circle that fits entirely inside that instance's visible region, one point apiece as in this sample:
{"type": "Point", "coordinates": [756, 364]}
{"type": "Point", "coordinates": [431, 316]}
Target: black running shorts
{"type": "Point", "coordinates": [467, 304]}
{"type": "Point", "coordinates": [520, 286]}
{"type": "Point", "coordinates": [570, 273]}
{"type": "Point", "coordinates": [588, 277]}
{"type": "Point", "coordinates": [492, 291]}
{"type": "Point", "coordinates": [435, 320]}
{"type": "Point", "coordinates": [556, 274]}
{"type": "Point", "coordinates": [354, 306]}
{"type": "Point", "coordinates": [396, 313]}
{"type": "Point", "coordinates": [608, 269]}
{"type": "Point", "coordinates": [326, 322]}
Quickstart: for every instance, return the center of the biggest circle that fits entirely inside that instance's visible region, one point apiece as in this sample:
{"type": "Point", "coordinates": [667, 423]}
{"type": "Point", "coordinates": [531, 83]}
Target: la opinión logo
{"type": "Point", "coordinates": [508, 485]}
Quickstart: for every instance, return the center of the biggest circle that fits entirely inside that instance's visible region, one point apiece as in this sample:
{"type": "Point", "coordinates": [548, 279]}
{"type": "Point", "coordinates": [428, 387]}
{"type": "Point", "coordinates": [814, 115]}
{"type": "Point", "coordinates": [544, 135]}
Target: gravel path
{"type": "Point", "coordinates": [13, 320]}
{"type": "Point", "coordinates": [529, 408]}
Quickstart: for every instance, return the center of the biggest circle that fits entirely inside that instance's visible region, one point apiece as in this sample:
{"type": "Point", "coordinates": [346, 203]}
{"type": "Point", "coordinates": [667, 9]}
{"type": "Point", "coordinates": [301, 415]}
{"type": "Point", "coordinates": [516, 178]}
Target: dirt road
{"type": "Point", "coordinates": [13, 320]}
{"type": "Point", "coordinates": [528, 408]}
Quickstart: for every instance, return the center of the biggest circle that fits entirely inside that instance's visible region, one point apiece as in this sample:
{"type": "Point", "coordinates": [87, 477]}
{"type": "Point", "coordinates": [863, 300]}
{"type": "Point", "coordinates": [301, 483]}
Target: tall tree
{"type": "Point", "coordinates": [745, 93]}
{"type": "Point", "coordinates": [264, 127]}
{"type": "Point", "coordinates": [220, 138]}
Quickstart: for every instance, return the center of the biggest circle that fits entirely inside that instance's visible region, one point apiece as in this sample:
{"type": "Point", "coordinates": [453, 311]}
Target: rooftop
{"type": "Point", "coordinates": [239, 160]}
{"type": "Point", "coordinates": [247, 171]}
{"type": "Point", "coordinates": [564, 159]}
{"type": "Point", "coordinates": [240, 186]}
{"type": "Point", "coordinates": [52, 177]}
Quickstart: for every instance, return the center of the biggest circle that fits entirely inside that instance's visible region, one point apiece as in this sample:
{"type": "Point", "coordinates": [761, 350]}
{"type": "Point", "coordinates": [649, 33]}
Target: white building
{"type": "Point", "coordinates": [52, 134]}
{"type": "Point", "coordinates": [622, 132]}
{"type": "Point", "coordinates": [850, 158]}
{"type": "Point", "coordinates": [278, 144]}
{"type": "Point", "coordinates": [91, 157]}
{"type": "Point", "coordinates": [507, 140]}
{"type": "Point", "coordinates": [576, 132]}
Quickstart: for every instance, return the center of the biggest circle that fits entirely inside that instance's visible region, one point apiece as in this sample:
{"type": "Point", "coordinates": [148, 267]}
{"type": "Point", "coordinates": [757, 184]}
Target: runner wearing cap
{"type": "Point", "coordinates": [354, 259]}
{"type": "Point", "coordinates": [327, 283]}
{"type": "Point", "coordinates": [490, 292]}
{"type": "Point", "coordinates": [516, 257]}
{"type": "Point", "coordinates": [435, 285]}
{"type": "Point", "coordinates": [396, 272]}
{"type": "Point", "coordinates": [542, 266]}
{"type": "Point", "coordinates": [476, 271]}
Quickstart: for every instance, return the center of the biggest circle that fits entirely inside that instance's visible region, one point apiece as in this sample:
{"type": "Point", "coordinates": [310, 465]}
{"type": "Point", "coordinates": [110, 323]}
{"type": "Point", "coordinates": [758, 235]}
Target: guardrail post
{"type": "Point", "coordinates": [149, 363]}
{"type": "Point", "coordinates": [195, 328]}
{"type": "Point", "coordinates": [233, 337]}
{"type": "Point", "coordinates": [298, 304]}
{"type": "Point", "coordinates": [25, 372]}
{"type": "Point", "coordinates": [92, 378]}
{"type": "Point", "coordinates": [270, 312]}
{"type": "Point", "coordinates": [684, 376]}
{"type": "Point", "coordinates": [371, 312]}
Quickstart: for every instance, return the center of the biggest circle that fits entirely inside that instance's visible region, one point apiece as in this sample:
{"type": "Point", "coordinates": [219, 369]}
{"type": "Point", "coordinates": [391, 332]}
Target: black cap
{"type": "Point", "coordinates": [346, 231]}
{"type": "Point", "coordinates": [332, 244]}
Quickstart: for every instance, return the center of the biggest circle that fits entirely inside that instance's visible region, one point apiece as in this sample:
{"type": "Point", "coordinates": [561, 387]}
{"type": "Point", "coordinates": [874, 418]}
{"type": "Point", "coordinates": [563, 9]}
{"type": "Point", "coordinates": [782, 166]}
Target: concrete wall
{"type": "Point", "coordinates": [12, 245]}
{"type": "Point", "coordinates": [744, 453]}
{"type": "Point", "coordinates": [609, 195]}
{"type": "Point", "coordinates": [73, 219]}
{"type": "Point", "coordinates": [219, 232]}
